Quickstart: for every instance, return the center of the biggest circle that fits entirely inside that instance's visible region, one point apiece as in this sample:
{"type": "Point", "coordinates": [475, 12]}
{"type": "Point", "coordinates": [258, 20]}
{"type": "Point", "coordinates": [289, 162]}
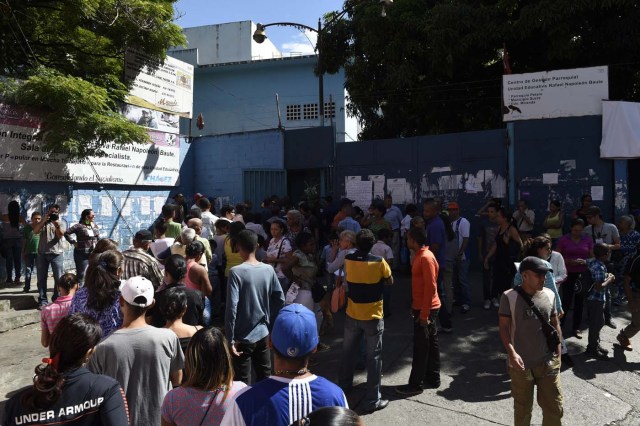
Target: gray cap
{"type": "Point", "coordinates": [534, 264]}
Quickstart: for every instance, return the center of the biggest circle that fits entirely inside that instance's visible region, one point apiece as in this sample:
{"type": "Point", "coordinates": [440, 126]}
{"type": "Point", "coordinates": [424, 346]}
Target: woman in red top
{"type": "Point", "coordinates": [575, 248]}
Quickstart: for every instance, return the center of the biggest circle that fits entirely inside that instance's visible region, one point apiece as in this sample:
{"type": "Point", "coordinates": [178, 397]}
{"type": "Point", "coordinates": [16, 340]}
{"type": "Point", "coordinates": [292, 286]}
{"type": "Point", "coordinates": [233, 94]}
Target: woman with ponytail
{"type": "Point", "coordinates": [174, 307]}
{"type": "Point", "coordinates": [64, 391]}
{"type": "Point", "coordinates": [99, 296]}
{"type": "Point", "coordinates": [175, 271]}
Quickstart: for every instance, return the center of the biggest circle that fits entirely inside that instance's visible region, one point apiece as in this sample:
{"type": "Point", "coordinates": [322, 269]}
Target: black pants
{"type": "Point", "coordinates": [256, 354]}
{"type": "Point", "coordinates": [445, 315]}
{"type": "Point", "coordinates": [487, 277]}
{"type": "Point", "coordinates": [425, 368]}
{"type": "Point", "coordinates": [572, 299]}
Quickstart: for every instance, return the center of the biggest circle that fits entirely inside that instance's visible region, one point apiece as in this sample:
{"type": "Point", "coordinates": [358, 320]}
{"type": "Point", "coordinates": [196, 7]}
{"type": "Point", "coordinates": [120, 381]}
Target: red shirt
{"type": "Point", "coordinates": [424, 286]}
{"type": "Point", "coordinates": [51, 314]}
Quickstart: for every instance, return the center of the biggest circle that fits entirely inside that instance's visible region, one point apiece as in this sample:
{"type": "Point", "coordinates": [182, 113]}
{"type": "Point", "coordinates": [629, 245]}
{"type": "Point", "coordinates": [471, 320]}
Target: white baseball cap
{"type": "Point", "coordinates": [138, 288]}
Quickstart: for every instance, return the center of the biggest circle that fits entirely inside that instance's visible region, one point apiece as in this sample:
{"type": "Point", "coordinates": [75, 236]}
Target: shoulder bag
{"type": "Point", "coordinates": [549, 331]}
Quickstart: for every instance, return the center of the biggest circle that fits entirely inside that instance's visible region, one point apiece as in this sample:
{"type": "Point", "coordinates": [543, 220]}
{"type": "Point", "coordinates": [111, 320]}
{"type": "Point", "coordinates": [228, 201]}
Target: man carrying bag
{"type": "Point", "coordinates": [530, 332]}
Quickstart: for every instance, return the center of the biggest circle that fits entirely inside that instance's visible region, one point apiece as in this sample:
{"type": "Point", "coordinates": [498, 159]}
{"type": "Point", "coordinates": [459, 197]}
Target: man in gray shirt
{"type": "Point", "coordinates": [50, 252]}
{"type": "Point", "coordinates": [530, 361]}
{"type": "Point", "coordinates": [147, 361]}
{"type": "Point", "coordinates": [254, 297]}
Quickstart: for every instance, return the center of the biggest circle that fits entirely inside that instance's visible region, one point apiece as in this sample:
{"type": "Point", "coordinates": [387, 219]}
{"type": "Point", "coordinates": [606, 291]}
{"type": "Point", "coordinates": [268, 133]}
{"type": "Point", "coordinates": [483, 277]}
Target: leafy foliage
{"type": "Point", "coordinates": [434, 67]}
{"type": "Point", "coordinates": [68, 57]}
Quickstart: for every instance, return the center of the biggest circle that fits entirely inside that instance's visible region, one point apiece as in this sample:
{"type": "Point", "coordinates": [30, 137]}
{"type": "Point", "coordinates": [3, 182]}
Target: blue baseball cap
{"type": "Point", "coordinates": [295, 333]}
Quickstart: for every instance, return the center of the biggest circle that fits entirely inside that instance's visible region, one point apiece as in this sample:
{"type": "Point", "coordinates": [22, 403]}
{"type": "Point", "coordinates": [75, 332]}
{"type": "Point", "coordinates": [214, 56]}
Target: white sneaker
{"type": "Point", "coordinates": [487, 304]}
{"type": "Point", "coordinates": [496, 304]}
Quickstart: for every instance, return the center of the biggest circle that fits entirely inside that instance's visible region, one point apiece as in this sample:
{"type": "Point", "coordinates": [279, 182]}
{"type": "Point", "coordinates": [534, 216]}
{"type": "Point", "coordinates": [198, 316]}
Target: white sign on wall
{"type": "Point", "coordinates": [22, 158]}
{"type": "Point", "coordinates": [553, 94]}
{"type": "Point", "coordinates": [168, 89]}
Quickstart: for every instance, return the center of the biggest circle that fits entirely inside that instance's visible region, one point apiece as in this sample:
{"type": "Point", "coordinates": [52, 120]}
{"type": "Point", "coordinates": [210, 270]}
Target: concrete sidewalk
{"type": "Point", "coordinates": [475, 386]}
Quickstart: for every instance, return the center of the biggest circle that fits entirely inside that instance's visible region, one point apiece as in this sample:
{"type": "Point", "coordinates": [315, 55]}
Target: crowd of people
{"type": "Point", "coordinates": [214, 319]}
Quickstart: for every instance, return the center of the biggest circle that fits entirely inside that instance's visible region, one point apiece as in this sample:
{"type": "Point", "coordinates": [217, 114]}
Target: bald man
{"type": "Point", "coordinates": [197, 225]}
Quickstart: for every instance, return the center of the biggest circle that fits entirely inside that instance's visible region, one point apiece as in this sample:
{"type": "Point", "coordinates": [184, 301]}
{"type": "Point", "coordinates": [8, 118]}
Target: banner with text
{"type": "Point", "coordinates": [155, 120]}
{"type": "Point", "coordinates": [22, 158]}
{"type": "Point", "coordinates": [168, 89]}
{"type": "Point", "coordinates": [553, 94]}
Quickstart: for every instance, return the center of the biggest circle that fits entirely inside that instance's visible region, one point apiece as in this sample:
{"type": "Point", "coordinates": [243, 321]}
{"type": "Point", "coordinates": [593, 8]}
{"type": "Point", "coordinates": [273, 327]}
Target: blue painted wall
{"type": "Point", "coordinates": [241, 97]}
{"type": "Point", "coordinates": [220, 161]}
{"type": "Point", "coordinates": [569, 147]}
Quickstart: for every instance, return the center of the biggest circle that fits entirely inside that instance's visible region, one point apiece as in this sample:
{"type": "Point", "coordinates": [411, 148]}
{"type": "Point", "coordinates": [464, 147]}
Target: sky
{"type": "Point", "coordinates": [192, 13]}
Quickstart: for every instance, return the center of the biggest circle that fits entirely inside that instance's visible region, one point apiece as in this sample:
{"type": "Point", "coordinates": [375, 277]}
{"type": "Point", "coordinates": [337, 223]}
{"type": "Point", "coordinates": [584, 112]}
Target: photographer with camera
{"type": "Point", "coordinates": [50, 252]}
{"type": "Point", "coordinates": [530, 332]}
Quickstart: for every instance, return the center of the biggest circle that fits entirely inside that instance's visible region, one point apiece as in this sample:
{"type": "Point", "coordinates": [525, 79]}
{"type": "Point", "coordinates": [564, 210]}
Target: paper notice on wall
{"type": "Point", "coordinates": [597, 193]}
{"type": "Point", "coordinates": [550, 178]}
{"type": "Point", "coordinates": [63, 202]}
{"type": "Point", "coordinates": [106, 207]}
{"type": "Point", "coordinates": [158, 202]}
{"type": "Point", "coordinates": [400, 190]}
{"type": "Point", "coordinates": [145, 205]}
{"type": "Point", "coordinates": [378, 185]}
{"type": "Point", "coordinates": [125, 210]}
{"type": "Point", "coordinates": [34, 204]}
{"type": "Point", "coordinates": [449, 182]}
{"type": "Point", "coordinates": [84, 202]}
{"type": "Point", "coordinates": [360, 191]}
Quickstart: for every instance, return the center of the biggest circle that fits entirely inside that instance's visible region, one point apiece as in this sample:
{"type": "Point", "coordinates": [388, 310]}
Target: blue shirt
{"type": "Point", "coordinates": [437, 235]}
{"type": "Point", "coordinates": [599, 274]}
{"type": "Point", "coordinates": [254, 297]}
{"type": "Point", "coordinates": [549, 282]}
{"type": "Point", "coordinates": [349, 224]}
{"type": "Point", "coordinates": [394, 217]}
{"type": "Point", "coordinates": [277, 401]}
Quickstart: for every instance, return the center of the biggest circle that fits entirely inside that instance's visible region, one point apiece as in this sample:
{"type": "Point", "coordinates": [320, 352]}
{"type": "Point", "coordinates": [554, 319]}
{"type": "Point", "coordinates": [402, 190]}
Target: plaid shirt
{"type": "Point", "coordinates": [139, 263]}
{"type": "Point", "coordinates": [86, 236]}
{"type": "Point", "coordinates": [51, 314]}
{"type": "Point", "coordinates": [599, 274]}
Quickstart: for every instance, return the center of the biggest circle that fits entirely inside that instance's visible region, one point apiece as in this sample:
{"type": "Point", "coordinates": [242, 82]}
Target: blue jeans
{"type": "Point", "coordinates": [13, 257]}
{"type": "Point", "coordinates": [81, 260]}
{"type": "Point", "coordinates": [461, 286]}
{"type": "Point", "coordinates": [57, 266]}
{"type": "Point", "coordinates": [29, 264]}
{"type": "Point", "coordinates": [353, 331]}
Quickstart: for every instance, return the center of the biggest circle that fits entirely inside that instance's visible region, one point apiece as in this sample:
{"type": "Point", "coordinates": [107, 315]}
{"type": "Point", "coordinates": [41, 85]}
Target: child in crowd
{"type": "Point", "coordinates": [597, 297]}
{"type": "Point", "coordinates": [54, 312]}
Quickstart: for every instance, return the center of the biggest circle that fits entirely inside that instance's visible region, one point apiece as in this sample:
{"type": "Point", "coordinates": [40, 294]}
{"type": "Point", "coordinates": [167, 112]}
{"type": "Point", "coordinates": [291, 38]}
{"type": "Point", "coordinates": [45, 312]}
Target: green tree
{"type": "Point", "coordinates": [65, 59]}
{"type": "Point", "coordinates": [433, 67]}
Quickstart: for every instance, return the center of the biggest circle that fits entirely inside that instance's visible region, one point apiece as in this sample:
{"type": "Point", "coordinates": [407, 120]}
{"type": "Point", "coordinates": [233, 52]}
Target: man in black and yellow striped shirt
{"type": "Point", "coordinates": [366, 275]}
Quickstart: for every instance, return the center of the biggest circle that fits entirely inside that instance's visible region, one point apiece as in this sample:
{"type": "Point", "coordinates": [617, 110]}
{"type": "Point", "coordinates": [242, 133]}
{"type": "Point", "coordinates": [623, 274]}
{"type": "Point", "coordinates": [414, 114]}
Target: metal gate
{"type": "Point", "coordinates": [258, 184]}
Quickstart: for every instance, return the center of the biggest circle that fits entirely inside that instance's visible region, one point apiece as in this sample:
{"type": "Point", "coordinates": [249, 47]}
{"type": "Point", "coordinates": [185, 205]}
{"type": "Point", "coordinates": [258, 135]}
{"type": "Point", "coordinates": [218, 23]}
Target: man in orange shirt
{"type": "Point", "coordinates": [346, 206]}
{"type": "Point", "coordinates": [425, 368]}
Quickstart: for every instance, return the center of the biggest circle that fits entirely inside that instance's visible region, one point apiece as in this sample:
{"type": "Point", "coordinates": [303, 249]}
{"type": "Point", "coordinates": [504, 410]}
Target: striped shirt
{"type": "Point", "coordinates": [277, 401]}
{"type": "Point", "coordinates": [139, 263]}
{"type": "Point", "coordinates": [365, 276]}
{"type": "Point", "coordinates": [599, 274]}
{"type": "Point", "coordinates": [51, 314]}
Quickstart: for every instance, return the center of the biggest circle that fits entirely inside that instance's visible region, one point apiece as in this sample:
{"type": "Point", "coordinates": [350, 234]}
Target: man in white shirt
{"type": "Point", "coordinates": [208, 218]}
{"type": "Point", "coordinates": [525, 218]}
{"type": "Point", "coordinates": [394, 216]}
{"type": "Point", "coordinates": [461, 229]}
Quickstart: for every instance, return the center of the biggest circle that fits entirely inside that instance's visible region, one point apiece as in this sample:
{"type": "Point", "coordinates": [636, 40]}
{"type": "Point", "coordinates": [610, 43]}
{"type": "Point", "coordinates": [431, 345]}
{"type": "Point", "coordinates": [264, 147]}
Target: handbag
{"type": "Point", "coordinates": [338, 295]}
{"type": "Point", "coordinates": [549, 331]}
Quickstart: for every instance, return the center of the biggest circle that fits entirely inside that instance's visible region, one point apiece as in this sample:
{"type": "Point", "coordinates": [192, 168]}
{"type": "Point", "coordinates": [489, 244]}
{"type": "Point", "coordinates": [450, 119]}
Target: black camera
{"type": "Point", "coordinates": [53, 217]}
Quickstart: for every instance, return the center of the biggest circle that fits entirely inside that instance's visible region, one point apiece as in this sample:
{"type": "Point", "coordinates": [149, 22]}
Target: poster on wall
{"type": "Point", "coordinates": [553, 94]}
{"type": "Point", "coordinates": [167, 89]}
{"type": "Point", "coordinates": [153, 120]}
{"type": "Point", "coordinates": [23, 158]}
